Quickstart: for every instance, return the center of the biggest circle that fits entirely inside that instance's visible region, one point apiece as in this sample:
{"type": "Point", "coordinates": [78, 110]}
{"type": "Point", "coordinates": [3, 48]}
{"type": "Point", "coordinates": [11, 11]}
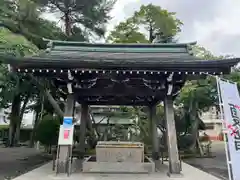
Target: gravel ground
{"type": "Point", "coordinates": [215, 171]}
{"type": "Point", "coordinates": [17, 161]}
{"type": "Point", "coordinates": [216, 166]}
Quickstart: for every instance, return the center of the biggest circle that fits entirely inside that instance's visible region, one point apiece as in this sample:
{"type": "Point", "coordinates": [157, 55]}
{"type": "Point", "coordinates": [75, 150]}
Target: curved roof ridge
{"type": "Point", "coordinates": [129, 45]}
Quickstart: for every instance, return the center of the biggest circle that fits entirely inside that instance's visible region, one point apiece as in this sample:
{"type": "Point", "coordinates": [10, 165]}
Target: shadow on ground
{"type": "Point", "coordinates": [17, 161]}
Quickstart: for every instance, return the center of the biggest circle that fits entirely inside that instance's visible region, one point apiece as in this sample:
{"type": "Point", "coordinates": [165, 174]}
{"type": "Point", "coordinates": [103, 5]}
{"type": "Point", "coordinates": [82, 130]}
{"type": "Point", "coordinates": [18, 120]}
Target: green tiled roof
{"type": "Point", "coordinates": [155, 57]}
{"type": "Point", "coordinates": [84, 51]}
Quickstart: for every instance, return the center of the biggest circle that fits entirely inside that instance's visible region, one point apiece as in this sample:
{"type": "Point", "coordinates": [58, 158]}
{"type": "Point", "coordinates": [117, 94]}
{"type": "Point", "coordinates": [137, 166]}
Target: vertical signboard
{"type": "Point", "coordinates": [230, 105]}
{"type": "Point", "coordinates": [65, 135]}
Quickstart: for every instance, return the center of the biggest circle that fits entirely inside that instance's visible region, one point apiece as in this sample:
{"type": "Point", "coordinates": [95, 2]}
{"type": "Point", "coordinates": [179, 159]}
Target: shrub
{"type": "Point", "coordinates": [47, 130]}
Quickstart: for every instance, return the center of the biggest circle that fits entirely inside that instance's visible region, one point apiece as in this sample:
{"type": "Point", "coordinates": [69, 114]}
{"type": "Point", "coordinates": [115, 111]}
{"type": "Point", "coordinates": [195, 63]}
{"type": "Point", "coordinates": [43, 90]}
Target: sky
{"type": "Point", "coordinates": [214, 24]}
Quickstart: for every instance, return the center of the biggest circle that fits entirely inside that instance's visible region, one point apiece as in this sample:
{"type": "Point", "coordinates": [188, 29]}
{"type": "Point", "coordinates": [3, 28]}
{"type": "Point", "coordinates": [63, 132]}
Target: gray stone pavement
{"type": "Point", "coordinates": [13, 159]}
{"type": "Point", "coordinates": [45, 173]}
{"type": "Point", "coordinates": [18, 160]}
{"type": "Point", "coordinates": [217, 166]}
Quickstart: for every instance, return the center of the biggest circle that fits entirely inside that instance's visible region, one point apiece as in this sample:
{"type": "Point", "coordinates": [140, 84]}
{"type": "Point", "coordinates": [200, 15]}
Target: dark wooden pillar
{"type": "Point", "coordinates": [64, 150]}
{"type": "Point", "coordinates": [174, 163]}
{"type": "Point", "coordinates": [83, 126]}
{"type": "Point", "coordinates": [155, 140]}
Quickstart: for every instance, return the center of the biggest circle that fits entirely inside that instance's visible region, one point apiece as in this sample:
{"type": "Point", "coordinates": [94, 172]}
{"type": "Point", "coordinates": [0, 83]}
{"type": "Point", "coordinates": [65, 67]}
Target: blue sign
{"type": "Point", "coordinates": [67, 121]}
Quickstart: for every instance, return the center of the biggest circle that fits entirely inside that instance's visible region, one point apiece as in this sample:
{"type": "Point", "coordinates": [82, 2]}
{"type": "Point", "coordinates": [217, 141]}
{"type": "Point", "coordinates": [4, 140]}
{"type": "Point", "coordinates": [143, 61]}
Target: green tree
{"type": "Point", "coordinates": [158, 20]}
{"type": "Point", "coordinates": [23, 17]}
{"type": "Point", "coordinates": [201, 52]}
{"type": "Point", "coordinates": [127, 32]}
{"type": "Point", "coordinates": [47, 131]}
{"type": "Point", "coordinates": [196, 97]}
{"type": "Point", "coordinates": [154, 19]}
{"type": "Point", "coordinates": [16, 89]}
{"type": "Point", "coordinates": [82, 19]}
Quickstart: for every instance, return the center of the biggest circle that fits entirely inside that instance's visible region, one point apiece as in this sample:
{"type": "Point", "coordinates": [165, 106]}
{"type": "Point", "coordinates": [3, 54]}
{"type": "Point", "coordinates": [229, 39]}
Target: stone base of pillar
{"type": "Point", "coordinates": [63, 159]}
{"type": "Point", "coordinates": [61, 167]}
{"type": "Point", "coordinates": [174, 175]}
{"type": "Point", "coordinates": [174, 168]}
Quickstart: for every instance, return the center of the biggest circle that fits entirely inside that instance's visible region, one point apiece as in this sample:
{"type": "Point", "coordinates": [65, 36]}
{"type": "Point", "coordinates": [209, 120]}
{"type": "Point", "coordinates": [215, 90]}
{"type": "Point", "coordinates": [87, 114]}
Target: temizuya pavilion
{"type": "Point", "coordinates": [122, 74]}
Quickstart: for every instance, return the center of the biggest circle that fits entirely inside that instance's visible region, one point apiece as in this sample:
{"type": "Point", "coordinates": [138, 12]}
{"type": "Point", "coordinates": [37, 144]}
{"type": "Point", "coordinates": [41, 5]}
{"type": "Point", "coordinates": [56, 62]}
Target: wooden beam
{"type": "Point", "coordinates": [134, 87]}
{"type": "Point", "coordinates": [154, 124]}
{"type": "Point", "coordinates": [174, 163]}
{"type": "Point", "coordinates": [83, 125]}
{"type": "Point", "coordinates": [117, 103]}
{"type": "Point", "coordinates": [120, 91]}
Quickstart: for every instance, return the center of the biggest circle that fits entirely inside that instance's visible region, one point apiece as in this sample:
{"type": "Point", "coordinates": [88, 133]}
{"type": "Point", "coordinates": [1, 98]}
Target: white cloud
{"type": "Point", "coordinates": [222, 33]}
{"type": "Point", "coordinates": [214, 24]}
{"type": "Point", "coordinates": [117, 13]}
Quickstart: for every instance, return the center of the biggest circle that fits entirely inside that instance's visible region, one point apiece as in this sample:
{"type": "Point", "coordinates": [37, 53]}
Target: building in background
{"type": "Point", "coordinates": [3, 117]}
{"type": "Point", "coordinates": [213, 123]}
{"type": "Point", "coordinates": [27, 121]}
{"type": "Point", "coordinates": [106, 120]}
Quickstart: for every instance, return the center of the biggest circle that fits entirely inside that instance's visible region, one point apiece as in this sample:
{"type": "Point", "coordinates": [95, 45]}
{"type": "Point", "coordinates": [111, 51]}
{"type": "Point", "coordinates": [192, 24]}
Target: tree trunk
{"type": "Point", "coordinates": [38, 118]}
{"type": "Point", "coordinates": [194, 132]}
{"type": "Point", "coordinates": [18, 123]}
{"type": "Point", "coordinates": [11, 133]}
{"type": "Point", "coordinates": [151, 36]}
{"type": "Point", "coordinates": [14, 118]}
{"type": "Point", "coordinates": [17, 133]}
{"type": "Point", "coordinates": [67, 23]}
{"type": "Point", "coordinates": [31, 143]}
{"type": "Point", "coordinates": [51, 100]}
{"type": "Point", "coordinates": [53, 103]}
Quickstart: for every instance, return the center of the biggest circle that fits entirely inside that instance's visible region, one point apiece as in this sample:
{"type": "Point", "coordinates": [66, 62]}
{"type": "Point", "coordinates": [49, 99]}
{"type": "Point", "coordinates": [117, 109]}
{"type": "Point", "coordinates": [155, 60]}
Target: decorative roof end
{"type": "Point", "coordinates": [49, 44]}
{"type": "Point", "coordinates": [190, 49]}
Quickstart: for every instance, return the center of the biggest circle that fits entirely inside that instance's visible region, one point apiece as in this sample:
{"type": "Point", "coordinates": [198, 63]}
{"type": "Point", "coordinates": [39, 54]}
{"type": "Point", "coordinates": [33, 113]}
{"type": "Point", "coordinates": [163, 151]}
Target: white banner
{"type": "Point", "coordinates": [231, 113]}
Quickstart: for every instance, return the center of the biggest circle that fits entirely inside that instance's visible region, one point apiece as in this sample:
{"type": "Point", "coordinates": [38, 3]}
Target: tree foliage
{"type": "Point", "coordinates": [157, 20]}
{"type": "Point", "coordinates": [23, 17]}
{"type": "Point", "coordinates": [13, 83]}
{"type": "Point", "coordinates": [153, 19]}
{"type": "Point", "coordinates": [16, 89]}
{"type": "Point", "coordinates": [81, 18]}
{"type": "Point", "coordinates": [127, 32]}
{"type": "Point", "coordinates": [47, 130]}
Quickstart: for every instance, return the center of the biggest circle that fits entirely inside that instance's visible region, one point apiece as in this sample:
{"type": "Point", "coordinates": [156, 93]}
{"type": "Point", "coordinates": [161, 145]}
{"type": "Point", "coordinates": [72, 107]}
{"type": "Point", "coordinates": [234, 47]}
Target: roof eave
{"type": "Point", "coordinates": [197, 66]}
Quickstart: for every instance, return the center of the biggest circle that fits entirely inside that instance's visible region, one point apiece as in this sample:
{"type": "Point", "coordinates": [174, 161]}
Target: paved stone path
{"type": "Point", "coordinates": [45, 173]}
{"type": "Point", "coordinates": [16, 161]}
{"type": "Point", "coordinates": [217, 166]}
